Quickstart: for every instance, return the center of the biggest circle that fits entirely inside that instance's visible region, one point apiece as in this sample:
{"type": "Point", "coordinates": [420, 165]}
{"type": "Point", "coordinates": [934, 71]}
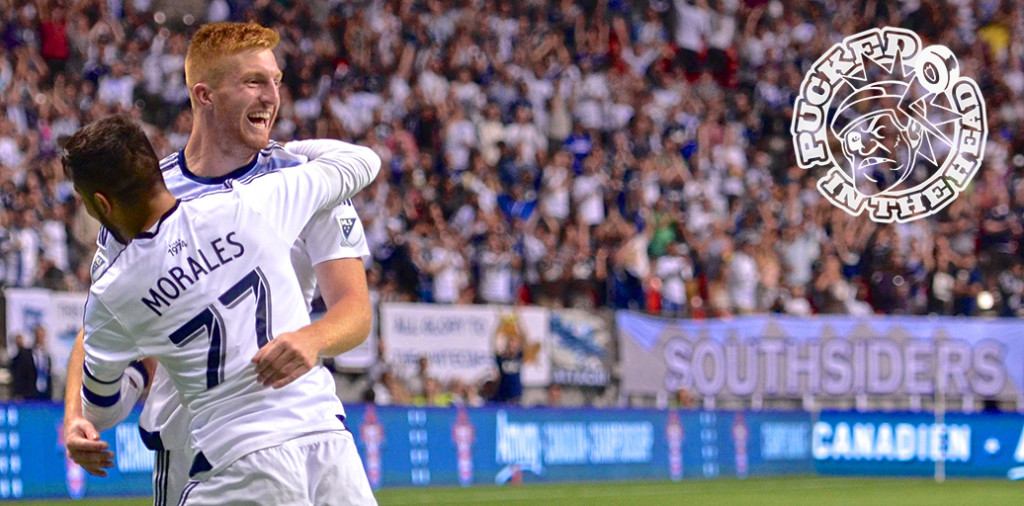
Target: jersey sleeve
{"type": "Point", "coordinates": [109, 350]}
{"type": "Point", "coordinates": [335, 172]}
{"type": "Point", "coordinates": [131, 386]}
{"type": "Point", "coordinates": [335, 233]}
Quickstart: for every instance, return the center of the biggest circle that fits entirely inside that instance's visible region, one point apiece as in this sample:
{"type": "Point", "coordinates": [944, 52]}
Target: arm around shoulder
{"type": "Point", "coordinates": [353, 166]}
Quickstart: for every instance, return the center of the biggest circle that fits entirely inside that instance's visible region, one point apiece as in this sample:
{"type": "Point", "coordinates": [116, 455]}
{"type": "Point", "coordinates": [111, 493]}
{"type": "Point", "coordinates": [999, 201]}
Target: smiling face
{"type": "Point", "coordinates": [880, 151]}
{"type": "Point", "coordinates": [246, 98]}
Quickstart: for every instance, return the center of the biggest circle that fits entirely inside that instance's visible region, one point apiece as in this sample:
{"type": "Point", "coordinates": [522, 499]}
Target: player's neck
{"type": "Point", "coordinates": [205, 157]}
{"type": "Point", "coordinates": [138, 220]}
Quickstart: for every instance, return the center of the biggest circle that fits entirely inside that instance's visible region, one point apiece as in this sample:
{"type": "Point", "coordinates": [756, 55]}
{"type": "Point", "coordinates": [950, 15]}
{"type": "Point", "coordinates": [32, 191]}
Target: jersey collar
{"type": "Point", "coordinates": [235, 174]}
{"type": "Point", "coordinates": [152, 232]}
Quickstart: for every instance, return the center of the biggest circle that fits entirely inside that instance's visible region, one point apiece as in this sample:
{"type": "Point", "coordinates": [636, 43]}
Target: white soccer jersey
{"type": "Point", "coordinates": [332, 234]}
{"type": "Point", "coordinates": [205, 288]}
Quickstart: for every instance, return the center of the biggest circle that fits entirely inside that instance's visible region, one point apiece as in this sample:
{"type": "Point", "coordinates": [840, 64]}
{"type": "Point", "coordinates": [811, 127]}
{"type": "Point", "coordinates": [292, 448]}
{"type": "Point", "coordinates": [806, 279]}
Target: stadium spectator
{"type": "Point", "coordinates": [509, 363]}
{"type": "Point", "coordinates": [53, 36]}
{"type": "Point", "coordinates": [448, 268]}
{"type": "Point", "coordinates": [525, 138]}
{"type": "Point", "coordinates": [433, 395]}
{"type": "Point", "coordinates": [465, 394]}
{"type": "Point", "coordinates": [23, 265]}
{"type": "Point", "coordinates": [744, 278]}
{"type": "Point", "coordinates": [693, 25]}
{"type": "Point", "coordinates": [554, 392]}
{"type": "Point", "coordinates": [796, 302]}
{"type": "Point", "coordinates": [416, 382]}
{"type": "Point", "coordinates": [389, 390]}
{"type": "Point", "coordinates": [31, 368]}
{"type": "Point", "coordinates": [496, 264]}
{"type": "Point", "coordinates": [556, 181]}
{"type": "Point", "coordinates": [588, 190]}
{"type": "Point", "coordinates": [674, 270]}
{"type": "Point", "coordinates": [799, 249]}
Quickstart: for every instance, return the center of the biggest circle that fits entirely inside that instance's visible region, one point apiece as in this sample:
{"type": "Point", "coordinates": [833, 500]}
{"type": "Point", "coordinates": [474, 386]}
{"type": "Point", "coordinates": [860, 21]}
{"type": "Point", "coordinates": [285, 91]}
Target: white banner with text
{"type": "Point", "coordinates": [832, 356]}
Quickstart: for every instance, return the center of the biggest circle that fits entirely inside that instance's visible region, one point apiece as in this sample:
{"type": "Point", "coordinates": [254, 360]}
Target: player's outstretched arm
{"type": "Point", "coordinates": [345, 325]}
{"type": "Point", "coordinates": [81, 439]}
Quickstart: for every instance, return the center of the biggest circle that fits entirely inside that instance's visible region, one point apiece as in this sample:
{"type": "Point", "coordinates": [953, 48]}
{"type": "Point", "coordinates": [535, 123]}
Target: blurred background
{"type": "Point", "coordinates": [588, 181]}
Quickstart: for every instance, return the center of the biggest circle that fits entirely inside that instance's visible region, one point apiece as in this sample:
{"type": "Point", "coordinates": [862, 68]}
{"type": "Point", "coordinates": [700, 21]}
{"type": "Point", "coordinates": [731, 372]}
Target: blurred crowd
{"type": "Point", "coordinates": [596, 153]}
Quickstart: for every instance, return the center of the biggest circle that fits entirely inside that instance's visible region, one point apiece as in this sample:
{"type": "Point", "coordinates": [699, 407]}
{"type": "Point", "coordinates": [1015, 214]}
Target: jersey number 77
{"type": "Point", "coordinates": [210, 322]}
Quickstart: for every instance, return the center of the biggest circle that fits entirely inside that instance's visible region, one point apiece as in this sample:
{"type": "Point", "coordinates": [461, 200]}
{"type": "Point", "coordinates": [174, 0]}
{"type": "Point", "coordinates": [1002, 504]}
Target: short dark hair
{"type": "Point", "coordinates": [112, 156]}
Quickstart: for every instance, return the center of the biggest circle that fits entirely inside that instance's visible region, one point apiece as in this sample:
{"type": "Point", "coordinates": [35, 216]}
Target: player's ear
{"type": "Point", "coordinates": [103, 204]}
{"type": "Point", "coordinates": [203, 93]}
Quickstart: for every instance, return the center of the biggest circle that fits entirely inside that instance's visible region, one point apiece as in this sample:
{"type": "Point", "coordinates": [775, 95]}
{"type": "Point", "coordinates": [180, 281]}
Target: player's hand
{"type": "Point", "coordinates": [84, 447]}
{"type": "Point", "coordinates": [284, 359]}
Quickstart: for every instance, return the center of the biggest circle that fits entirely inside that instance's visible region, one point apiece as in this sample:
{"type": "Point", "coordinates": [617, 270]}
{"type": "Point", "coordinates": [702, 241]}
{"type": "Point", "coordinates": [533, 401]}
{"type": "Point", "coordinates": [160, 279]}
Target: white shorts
{"type": "Point", "coordinates": [170, 476]}
{"type": "Point", "coordinates": [319, 469]}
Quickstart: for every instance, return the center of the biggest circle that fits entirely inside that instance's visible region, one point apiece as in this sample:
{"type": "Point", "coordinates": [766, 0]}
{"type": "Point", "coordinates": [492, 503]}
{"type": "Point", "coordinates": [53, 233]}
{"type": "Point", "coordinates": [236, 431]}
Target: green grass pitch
{"type": "Point", "coordinates": [789, 491]}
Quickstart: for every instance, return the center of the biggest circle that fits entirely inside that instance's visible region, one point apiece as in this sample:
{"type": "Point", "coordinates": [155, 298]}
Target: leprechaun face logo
{"type": "Point", "coordinates": [892, 125]}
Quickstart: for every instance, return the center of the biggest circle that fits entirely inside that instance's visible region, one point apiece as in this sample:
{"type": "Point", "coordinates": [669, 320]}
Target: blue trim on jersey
{"type": "Point", "coordinates": [160, 478]}
{"type": "Point", "coordinates": [235, 174]}
{"type": "Point", "coordinates": [156, 230]}
{"type": "Point", "coordinates": [199, 464]}
{"type": "Point", "coordinates": [151, 439]}
{"type": "Point", "coordinates": [226, 189]}
{"type": "Point", "coordinates": [85, 369]}
{"type": "Point", "coordinates": [271, 147]}
{"type": "Point", "coordinates": [188, 490]}
{"type": "Point", "coordinates": [254, 175]}
{"type": "Point", "coordinates": [103, 401]}
{"type": "Point", "coordinates": [171, 160]}
{"type": "Point", "coordinates": [229, 186]}
{"type": "Point", "coordinates": [142, 370]}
